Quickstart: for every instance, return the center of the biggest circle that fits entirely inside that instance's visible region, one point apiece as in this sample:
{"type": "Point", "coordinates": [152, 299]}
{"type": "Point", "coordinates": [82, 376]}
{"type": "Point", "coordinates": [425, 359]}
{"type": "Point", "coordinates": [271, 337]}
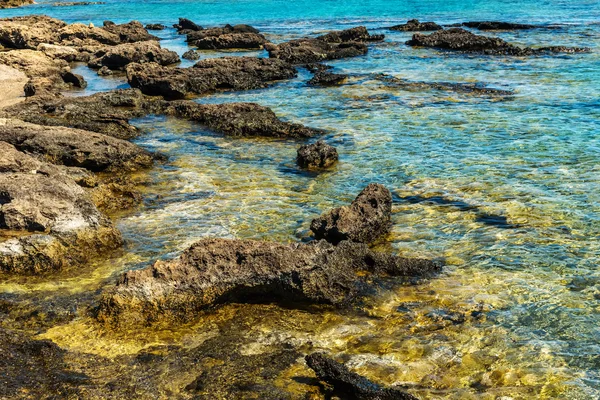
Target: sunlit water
{"type": "Point", "coordinates": [506, 189]}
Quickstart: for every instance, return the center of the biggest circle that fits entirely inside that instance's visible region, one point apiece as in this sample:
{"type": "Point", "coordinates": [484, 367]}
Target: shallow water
{"type": "Point", "coordinates": [506, 189]}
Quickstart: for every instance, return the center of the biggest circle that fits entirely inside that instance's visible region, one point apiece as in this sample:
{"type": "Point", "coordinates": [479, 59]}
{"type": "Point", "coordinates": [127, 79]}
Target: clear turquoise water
{"type": "Point", "coordinates": [526, 249]}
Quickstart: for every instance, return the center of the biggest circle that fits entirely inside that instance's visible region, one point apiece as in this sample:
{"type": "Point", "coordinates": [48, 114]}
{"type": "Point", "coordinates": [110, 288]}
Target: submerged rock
{"type": "Point", "coordinates": [74, 147]}
{"type": "Point", "coordinates": [458, 39]}
{"type": "Point", "coordinates": [214, 271]}
{"type": "Point", "coordinates": [55, 223]}
{"type": "Point", "coordinates": [334, 45]}
{"type": "Point", "coordinates": [346, 384]}
{"type": "Point", "coordinates": [317, 155]}
{"type": "Point", "coordinates": [227, 37]}
{"type": "Point", "coordinates": [468, 88]}
{"type": "Point", "coordinates": [497, 25]}
{"type": "Point", "coordinates": [414, 25]}
{"type": "Point", "coordinates": [367, 218]}
{"type": "Point", "coordinates": [327, 78]}
{"type": "Point", "coordinates": [118, 57]}
{"type": "Point", "coordinates": [234, 73]}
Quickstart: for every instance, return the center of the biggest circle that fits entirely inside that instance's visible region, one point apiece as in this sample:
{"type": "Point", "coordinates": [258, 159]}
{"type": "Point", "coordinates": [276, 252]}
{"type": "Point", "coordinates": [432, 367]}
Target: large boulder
{"type": "Point", "coordinates": [414, 25]}
{"type": "Point", "coordinates": [214, 271]}
{"type": "Point", "coordinates": [50, 222]}
{"type": "Point", "coordinates": [334, 45]}
{"type": "Point", "coordinates": [74, 147]}
{"type": "Point", "coordinates": [345, 384]}
{"type": "Point", "coordinates": [118, 57]}
{"type": "Point", "coordinates": [130, 32]}
{"type": "Point", "coordinates": [317, 155]}
{"type": "Point", "coordinates": [227, 37]}
{"type": "Point", "coordinates": [367, 218]}
{"type": "Point", "coordinates": [234, 73]}
{"type": "Point", "coordinates": [458, 39]}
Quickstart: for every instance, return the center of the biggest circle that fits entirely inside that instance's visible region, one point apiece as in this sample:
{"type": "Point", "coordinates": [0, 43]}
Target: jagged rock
{"type": "Point", "coordinates": [56, 222]}
{"type": "Point", "coordinates": [214, 271]}
{"type": "Point", "coordinates": [130, 32]}
{"type": "Point", "coordinates": [346, 384]}
{"type": "Point", "coordinates": [85, 35]}
{"type": "Point", "coordinates": [68, 54]}
{"type": "Point", "coordinates": [235, 73]}
{"type": "Point", "coordinates": [367, 218]}
{"type": "Point", "coordinates": [155, 27]}
{"type": "Point", "coordinates": [327, 78]}
{"type": "Point", "coordinates": [414, 25]}
{"type": "Point", "coordinates": [497, 25]}
{"type": "Point", "coordinates": [105, 71]}
{"type": "Point", "coordinates": [334, 45]}
{"type": "Point", "coordinates": [458, 39]}
{"type": "Point", "coordinates": [14, 3]}
{"type": "Point", "coordinates": [185, 25]}
{"type": "Point", "coordinates": [74, 79]}
{"type": "Point", "coordinates": [227, 37]}
{"type": "Point", "coordinates": [118, 57]}
{"type": "Point", "coordinates": [44, 72]}
{"type": "Point", "coordinates": [317, 155]}
{"type": "Point", "coordinates": [192, 55]}
{"type": "Point", "coordinates": [29, 32]}
{"type": "Point", "coordinates": [74, 147]}
{"type": "Point", "coordinates": [239, 119]}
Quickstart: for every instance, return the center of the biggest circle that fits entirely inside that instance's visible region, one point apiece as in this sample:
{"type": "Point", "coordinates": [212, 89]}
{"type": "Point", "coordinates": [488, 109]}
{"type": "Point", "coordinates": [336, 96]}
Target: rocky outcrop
{"type": "Point", "coordinates": [334, 45]}
{"type": "Point", "coordinates": [458, 39]}
{"type": "Point", "coordinates": [239, 119]}
{"type": "Point", "coordinates": [155, 27]}
{"type": "Point", "coordinates": [53, 221]}
{"type": "Point", "coordinates": [497, 26]}
{"type": "Point", "coordinates": [228, 37]}
{"type": "Point", "coordinates": [14, 3]}
{"type": "Point", "coordinates": [345, 384]}
{"type": "Point", "coordinates": [317, 155]}
{"type": "Point", "coordinates": [234, 73]}
{"type": "Point", "coordinates": [185, 26]}
{"type": "Point", "coordinates": [118, 57]}
{"type": "Point", "coordinates": [130, 32]}
{"type": "Point", "coordinates": [215, 271]}
{"type": "Point", "coordinates": [192, 55]}
{"type": "Point", "coordinates": [327, 78]}
{"type": "Point", "coordinates": [74, 147]}
{"type": "Point", "coordinates": [414, 25]}
{"type": "Point", "coordinates": [367, 218]}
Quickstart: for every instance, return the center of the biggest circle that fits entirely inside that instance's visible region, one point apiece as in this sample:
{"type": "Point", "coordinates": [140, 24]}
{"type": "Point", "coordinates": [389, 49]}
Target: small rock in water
{"type": "Point", "coordinates": [187, 25]}
{"type": "Point", "coordinates": [327, 78]}
{"type": "Point", "coordinates": [367, 218]}
{"type": "Point", "coordinates": [317, 155]}
{"type": "Point", "coordinates": [74, 79]}
{"type": "Point", "coordinates": [497, 25]}
{"type": "Point", "coordinates": [155, 27]}
{"type": "Point", "coordinates": [191, 55]}
{"type": "Point", "coordinates": [415, 26]}
{"type": "Point", "coordinates": [104, 71]}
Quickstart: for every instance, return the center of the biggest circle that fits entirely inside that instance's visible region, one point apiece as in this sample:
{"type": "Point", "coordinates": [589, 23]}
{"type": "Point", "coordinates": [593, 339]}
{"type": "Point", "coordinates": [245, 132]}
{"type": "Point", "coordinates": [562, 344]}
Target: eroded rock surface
{"type": "Point", "coordinates": [327, 78]}
{"type": "Point", "coordinates": [227, 37]}
{"type": "Point", "coordinates": [215, 271]}
{"type": "Point", "coordinates": [130, 32]}
{"type": "Point", "coordinates": [414, 25]}
{"type": "Point", "coordinates": [234, 73]}
{"type": "Point", "coordinates": [317, 155]}
{"type": "Point", "coordinates": [458, 39]}
{"type": "Point", "coordinates": [334, 45]}
{"type": "Point", "coordinates": [367, 218]}
{"type": "Point", "coordinates": [14, 3]}
{"type": "Point", "coordinates": [497, 25]}
{"type": "Point", "coordinates": [118, 57]}
{"type": "Point", "coordinates": [346, 384]}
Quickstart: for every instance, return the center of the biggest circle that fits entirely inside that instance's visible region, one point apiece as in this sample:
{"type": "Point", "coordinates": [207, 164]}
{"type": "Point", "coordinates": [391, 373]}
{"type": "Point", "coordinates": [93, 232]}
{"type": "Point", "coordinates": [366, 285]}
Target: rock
{"type": "Point", "coordinates": [130, 32]}
{"type": "Point", "coordinates": [12, 85]}
{"type": "Point", "coordinates": [497, 25]}
{"type": "Point", "coordinates": [317, 155]}
{"type": "Point", "coordinates": [155, 27]}
{"type": "Point", "coordinates": [118, 57]}
{"type": "Point", "coordinates": [228, 37]}
{"type": "Point", "coordinates": [215, 271]}
{"type": "Point", "coordinates": [56, 223]}
{"type": "Point", "coordinates": [192, 55]}
{"type": "Point", "coordinates": [415, 26]}
{"type": "Point", "coordinates": [76, 3]}
{"type": "Point", "coordinates": [85, 35]}
{"type": "Point", "coordinates": [105, 71]}
{"type": "Point", "coordinates": [186, 25]}
{"type": "Point", "coordinates": [234, 73]}
{"type": "Point", "coordinates": [316, 67]}
{"type": "Point", "coordinates": [65, 53]}
{"type": "Point", "coordinates": [346, 384]}
{"type": "Point", "coordinates": [468, 88]}
{"type": "Point", "coordinates": [327, 78]}
{"type": "Point", "coordinates": [239, 119]}
{"type": "Point", "coordinates": [29, 32]}
{"type": "Point", "coordinates": [44, 73]}
{"type": "Point", "coordinates": [14, 3]}
{"type": "Point", "coordinates": [334, 45]}
{"type": "Point", "coordinates": [458, 39]}
{"type": "Point", "coordinates": [367, 218]}
{"type": "Point", "coordinates": [74, 147]}
{"type": "Point", "coordinates": [74, 79]}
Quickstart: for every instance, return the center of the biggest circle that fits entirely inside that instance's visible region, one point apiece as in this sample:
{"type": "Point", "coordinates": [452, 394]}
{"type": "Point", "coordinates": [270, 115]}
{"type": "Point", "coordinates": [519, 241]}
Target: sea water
{"type": "Point", "coordinates": [505, 188]}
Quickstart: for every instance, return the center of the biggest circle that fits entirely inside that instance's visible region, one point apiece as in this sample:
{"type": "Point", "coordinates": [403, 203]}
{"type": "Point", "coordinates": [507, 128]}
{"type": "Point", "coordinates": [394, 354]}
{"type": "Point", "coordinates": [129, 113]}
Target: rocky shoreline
{"type": "Point", "coordinates": [67, 165]}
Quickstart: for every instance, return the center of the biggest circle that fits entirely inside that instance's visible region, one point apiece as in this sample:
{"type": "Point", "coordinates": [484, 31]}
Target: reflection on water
{"type": "Point", "coordinates": [506, 190]}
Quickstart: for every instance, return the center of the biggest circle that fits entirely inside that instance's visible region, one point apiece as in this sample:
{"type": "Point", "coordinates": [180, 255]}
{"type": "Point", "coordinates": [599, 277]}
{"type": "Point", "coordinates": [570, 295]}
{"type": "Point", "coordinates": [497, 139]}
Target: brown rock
{"type": "Point", "coordinates": [118, 57]}
{"type": "Point", "coordinates": [317, 155]}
